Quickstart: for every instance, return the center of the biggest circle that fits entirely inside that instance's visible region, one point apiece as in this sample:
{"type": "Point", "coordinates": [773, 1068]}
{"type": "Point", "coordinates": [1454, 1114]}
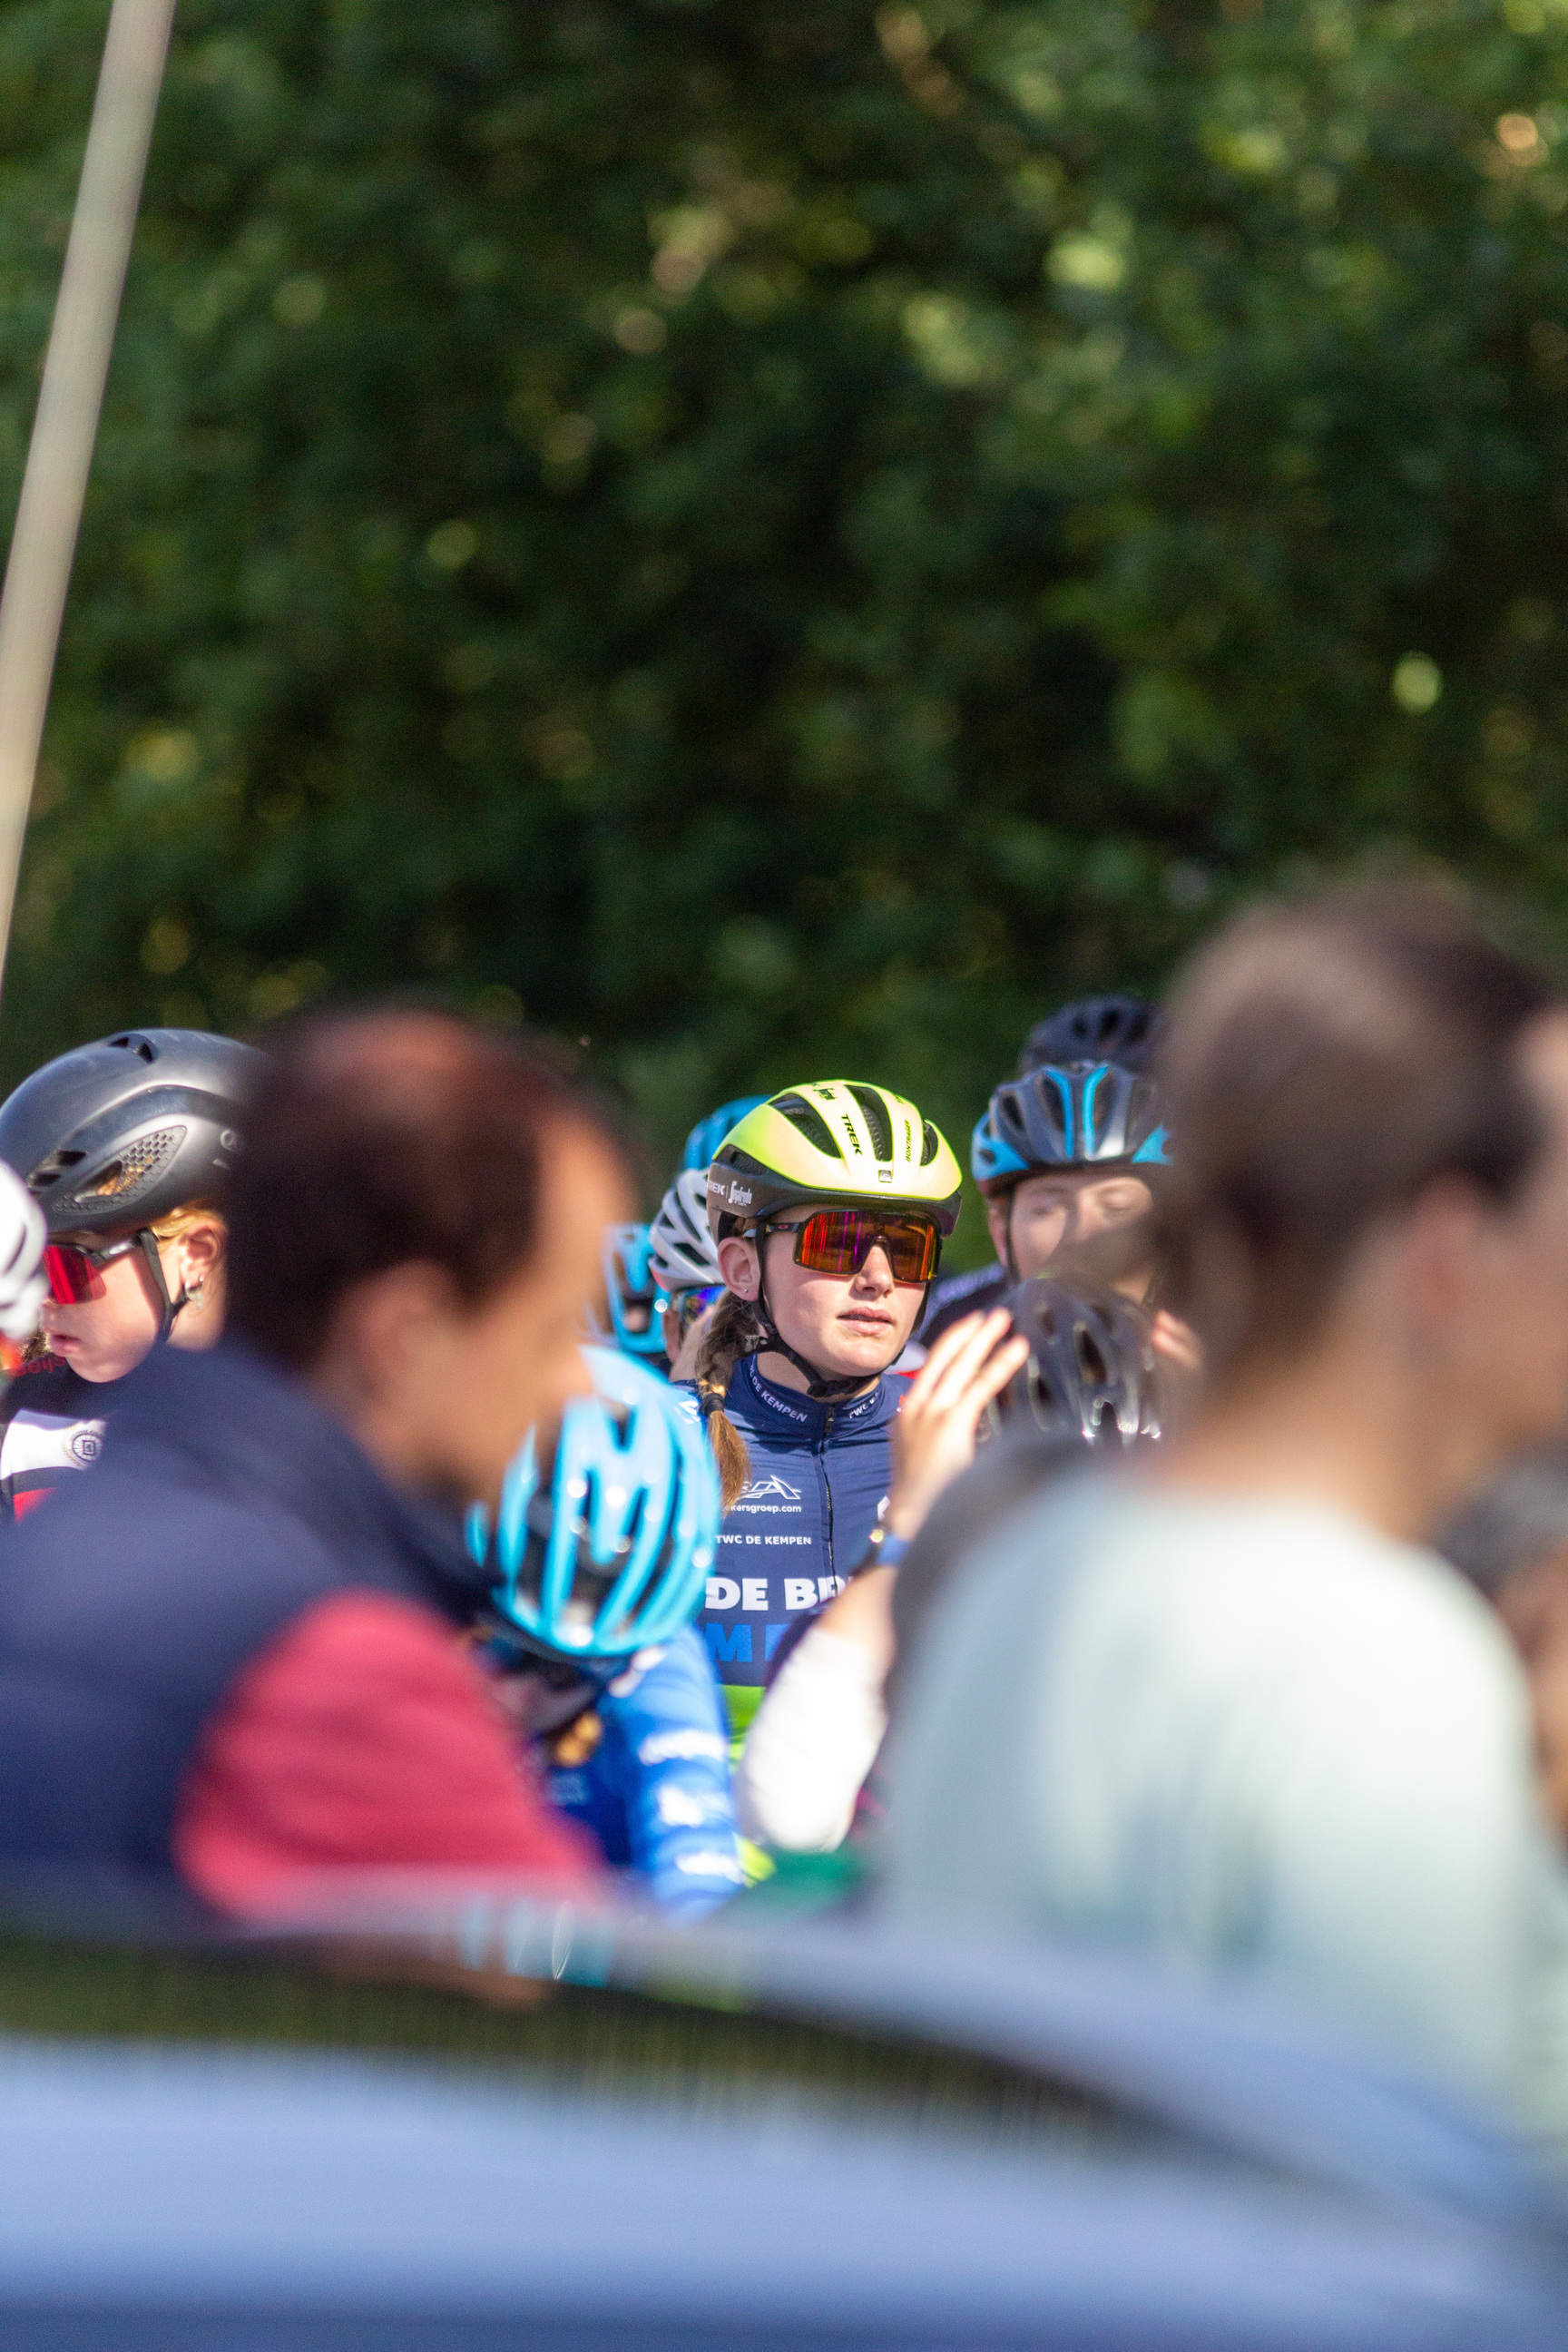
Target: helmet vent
{"type": "Point", "coordinates": [49, 1172]}
{"type": "Point", "coordinates": [811, 1123]}
{"type": "Point", "coordinates": [133, 1168]}
{"type": "Point", "coordinates": [1131, 1033]}
{"type": "Point", "coordinates": [930, 1144]}
{"type": "Point", "coordinates": [877, 1120]}
{"type": "Point", "coordinates": [143, 1047]}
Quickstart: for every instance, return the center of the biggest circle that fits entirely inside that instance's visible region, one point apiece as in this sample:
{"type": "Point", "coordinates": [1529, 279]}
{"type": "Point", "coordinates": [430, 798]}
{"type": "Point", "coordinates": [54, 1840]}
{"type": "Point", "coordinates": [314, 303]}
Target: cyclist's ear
{"type": "Point", "coordinates": [738, 1265]}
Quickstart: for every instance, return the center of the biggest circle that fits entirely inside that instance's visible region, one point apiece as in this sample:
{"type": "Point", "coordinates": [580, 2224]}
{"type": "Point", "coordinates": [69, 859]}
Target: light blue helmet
{"type": "Point", "coordinates": [631, 1287]}
{"type": "Point", "coordinates": [604, 1549]}
{"type": "Point", "coordinates": [708, 1133]}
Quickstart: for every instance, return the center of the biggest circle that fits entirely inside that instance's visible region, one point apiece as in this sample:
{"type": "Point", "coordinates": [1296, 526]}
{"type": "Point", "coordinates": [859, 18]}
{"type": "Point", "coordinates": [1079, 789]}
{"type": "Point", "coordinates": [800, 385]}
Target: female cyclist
{"type": "Point", "coordinates": [122, 1144]}
{"type": "Point", "coordinates": [1083, 1191]}
{"type": "Point", "coordinates": [1070, 1157]}
{"type": "Point", "coordinates": [599, 1556]}
{"type": "Point", "coordinates": [828, 1204]}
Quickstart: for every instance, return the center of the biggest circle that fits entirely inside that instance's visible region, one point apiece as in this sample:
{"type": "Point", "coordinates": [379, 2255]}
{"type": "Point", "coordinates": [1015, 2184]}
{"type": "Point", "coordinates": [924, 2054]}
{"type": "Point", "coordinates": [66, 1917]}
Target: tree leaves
{"type": "Point", "coordinates": [777, 539]}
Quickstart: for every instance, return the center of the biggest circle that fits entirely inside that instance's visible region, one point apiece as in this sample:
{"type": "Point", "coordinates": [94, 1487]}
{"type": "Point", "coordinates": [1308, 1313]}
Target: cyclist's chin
{"type": "Point", "coordinates": [91, 1362]}
{"type": "Point", "coordinates": [867, 1348]}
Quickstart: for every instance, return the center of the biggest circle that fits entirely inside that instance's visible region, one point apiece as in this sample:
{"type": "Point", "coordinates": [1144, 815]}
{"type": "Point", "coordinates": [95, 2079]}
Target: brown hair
{"type": "Point", "coordinates": [1325, 1063]}
{"type": "Point", "coordinates": [379, 1138]}
{"type": "Point", "coordinates": [734, 1330]}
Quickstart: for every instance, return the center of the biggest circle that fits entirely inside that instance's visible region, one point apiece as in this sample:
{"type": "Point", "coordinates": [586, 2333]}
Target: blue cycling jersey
{"type": "Point", "coordinates": [655, 1794]}
{"type": "Point", "coordinates": [959, 1295]}
{"type": "Point", "coordinates": [819, 1481]}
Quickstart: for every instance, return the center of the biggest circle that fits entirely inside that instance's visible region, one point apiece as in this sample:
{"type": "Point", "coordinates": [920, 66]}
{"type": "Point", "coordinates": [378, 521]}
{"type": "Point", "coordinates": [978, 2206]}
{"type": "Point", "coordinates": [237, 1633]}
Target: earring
{"type": "Point", "coordinates": [194, 1290]}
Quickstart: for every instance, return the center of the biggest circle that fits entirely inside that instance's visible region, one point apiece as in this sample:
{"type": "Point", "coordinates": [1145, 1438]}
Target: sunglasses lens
{"type": "Point", "coordinates": [925, 1250]}
{"type": "Point", "coordinates": [838, 1241]}
{"type": "Point", "coordinates": [829, 1243]}
{"type": "Point", "coordinates": [912, 1246]}
{"type": "Point", "coordinates": [71, 1276]}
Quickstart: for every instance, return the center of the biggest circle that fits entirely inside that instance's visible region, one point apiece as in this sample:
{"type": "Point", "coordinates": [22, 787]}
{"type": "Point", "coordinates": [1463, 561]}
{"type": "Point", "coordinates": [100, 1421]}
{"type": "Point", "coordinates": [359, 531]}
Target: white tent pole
{"type": "Point", "coordinates": [38, 571]}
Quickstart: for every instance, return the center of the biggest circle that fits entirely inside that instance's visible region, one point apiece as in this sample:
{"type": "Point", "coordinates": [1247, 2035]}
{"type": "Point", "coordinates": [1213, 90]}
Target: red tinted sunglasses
{"type": "Point", "coordinates": [839, 1241]}
{"type": "Point", "coordinates": [74, 1274]}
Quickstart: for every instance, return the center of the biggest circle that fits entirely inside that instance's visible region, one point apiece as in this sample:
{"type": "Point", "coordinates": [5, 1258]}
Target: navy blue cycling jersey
{"type": "Point", "coordinates": [961, 1295]}
{"type": "Point", "coordinates": [819, 1481]}
{"type": "Point", "coordinates": [655, 1793]}
{"type": "Point", "coordinates": [51, 1422]}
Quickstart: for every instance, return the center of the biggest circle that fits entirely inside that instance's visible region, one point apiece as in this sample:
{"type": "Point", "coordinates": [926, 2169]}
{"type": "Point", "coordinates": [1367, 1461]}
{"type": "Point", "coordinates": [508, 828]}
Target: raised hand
{"type": "Point", "coordinates": [934, 1437]}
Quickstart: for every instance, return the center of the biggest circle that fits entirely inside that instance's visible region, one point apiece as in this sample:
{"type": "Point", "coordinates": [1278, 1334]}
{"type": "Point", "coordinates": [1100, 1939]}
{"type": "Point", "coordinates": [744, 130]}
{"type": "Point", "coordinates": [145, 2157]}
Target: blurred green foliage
{"type": "Point", "coordinates": [787, 537]}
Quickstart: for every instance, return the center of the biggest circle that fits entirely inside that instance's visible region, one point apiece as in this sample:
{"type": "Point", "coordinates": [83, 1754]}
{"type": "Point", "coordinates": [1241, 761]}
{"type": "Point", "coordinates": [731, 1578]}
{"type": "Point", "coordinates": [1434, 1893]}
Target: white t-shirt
{"type": "Point", "coordinates": [1257, 1740]}
{"type": "Point", "coordinates": [813, 1741]}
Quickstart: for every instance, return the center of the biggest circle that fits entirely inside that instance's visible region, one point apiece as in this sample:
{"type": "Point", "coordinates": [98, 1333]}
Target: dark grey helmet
{"type": "Point", "coordinates": [1122, 1029]}
{"type": "Point", "coordinates": [1092, 1374]}
{"type": "Point", "coordinates": [117, 1134]}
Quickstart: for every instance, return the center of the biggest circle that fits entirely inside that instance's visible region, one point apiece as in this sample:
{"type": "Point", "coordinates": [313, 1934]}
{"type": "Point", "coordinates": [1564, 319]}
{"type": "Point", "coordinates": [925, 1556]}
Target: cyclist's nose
{"type": "Point", "coordinates": [876, 1273]}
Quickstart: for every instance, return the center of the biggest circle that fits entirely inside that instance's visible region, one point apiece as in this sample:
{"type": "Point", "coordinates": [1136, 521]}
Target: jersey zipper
{"type": "Point", "coordinates": [827, 1488]}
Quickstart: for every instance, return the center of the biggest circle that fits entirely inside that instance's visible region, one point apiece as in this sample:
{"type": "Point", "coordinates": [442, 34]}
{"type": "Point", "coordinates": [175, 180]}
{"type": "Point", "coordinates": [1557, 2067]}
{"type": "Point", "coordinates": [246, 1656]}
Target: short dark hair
{"type": "Point", "coordinates": [378, 1137]}
{"type": "Point", "coordinates": [1325, 1063]}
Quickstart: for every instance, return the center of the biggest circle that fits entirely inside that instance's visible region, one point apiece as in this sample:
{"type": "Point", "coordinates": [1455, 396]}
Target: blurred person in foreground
{"type": "Point", "coordinates": [228, 1652]}
{"type": "Point", "coordinates": [1057, 1369]}
{"type": "Point", "coordinates": [1226, 1708]}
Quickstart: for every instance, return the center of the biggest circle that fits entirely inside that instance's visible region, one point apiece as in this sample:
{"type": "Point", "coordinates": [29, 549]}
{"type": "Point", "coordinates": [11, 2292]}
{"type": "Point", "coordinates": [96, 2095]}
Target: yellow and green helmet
{"type": "Point", "coordinates": [835, 1140]}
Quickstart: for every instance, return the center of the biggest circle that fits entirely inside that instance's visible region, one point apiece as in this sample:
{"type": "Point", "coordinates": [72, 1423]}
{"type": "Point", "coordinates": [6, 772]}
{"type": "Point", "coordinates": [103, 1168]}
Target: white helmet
{"type": "Point", "coordinates": [684, 1253]}
{"type": "Point", "coordinates": [23, 1288]}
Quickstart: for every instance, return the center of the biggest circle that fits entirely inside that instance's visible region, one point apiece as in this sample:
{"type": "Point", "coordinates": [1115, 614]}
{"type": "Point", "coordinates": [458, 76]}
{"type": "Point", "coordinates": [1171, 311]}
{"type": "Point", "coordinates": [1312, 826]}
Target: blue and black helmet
{"type": "Point", "coordinates": [990, 1162]}
{"type": "Point", "coordinates": [1083, 1096]}
{"type": "Point", "coordinates": [708, 1133]}
{"type": "Point", "coordinates": [602, 1548]}
{"type": "Point", "coordinates": [1081, 1116]}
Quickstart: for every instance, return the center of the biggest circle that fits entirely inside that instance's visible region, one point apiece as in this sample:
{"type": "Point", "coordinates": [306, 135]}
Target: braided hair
{"type": "Point", "coordinates": [735, 1328]}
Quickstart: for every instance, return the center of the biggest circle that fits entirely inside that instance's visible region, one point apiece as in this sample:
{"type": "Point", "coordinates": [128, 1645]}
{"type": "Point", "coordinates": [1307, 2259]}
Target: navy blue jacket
{"type": "Point", "coordinates": [225, 1504]}
{"type": "Point", "coordinates": [820, 1475]}
{"type": "Point", "coordinates": [959, 1295]}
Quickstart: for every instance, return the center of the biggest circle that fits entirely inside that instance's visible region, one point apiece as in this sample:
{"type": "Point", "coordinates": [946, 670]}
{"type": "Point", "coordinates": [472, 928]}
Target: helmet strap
{"type": "Point", "coordinates": [169, 1307]}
